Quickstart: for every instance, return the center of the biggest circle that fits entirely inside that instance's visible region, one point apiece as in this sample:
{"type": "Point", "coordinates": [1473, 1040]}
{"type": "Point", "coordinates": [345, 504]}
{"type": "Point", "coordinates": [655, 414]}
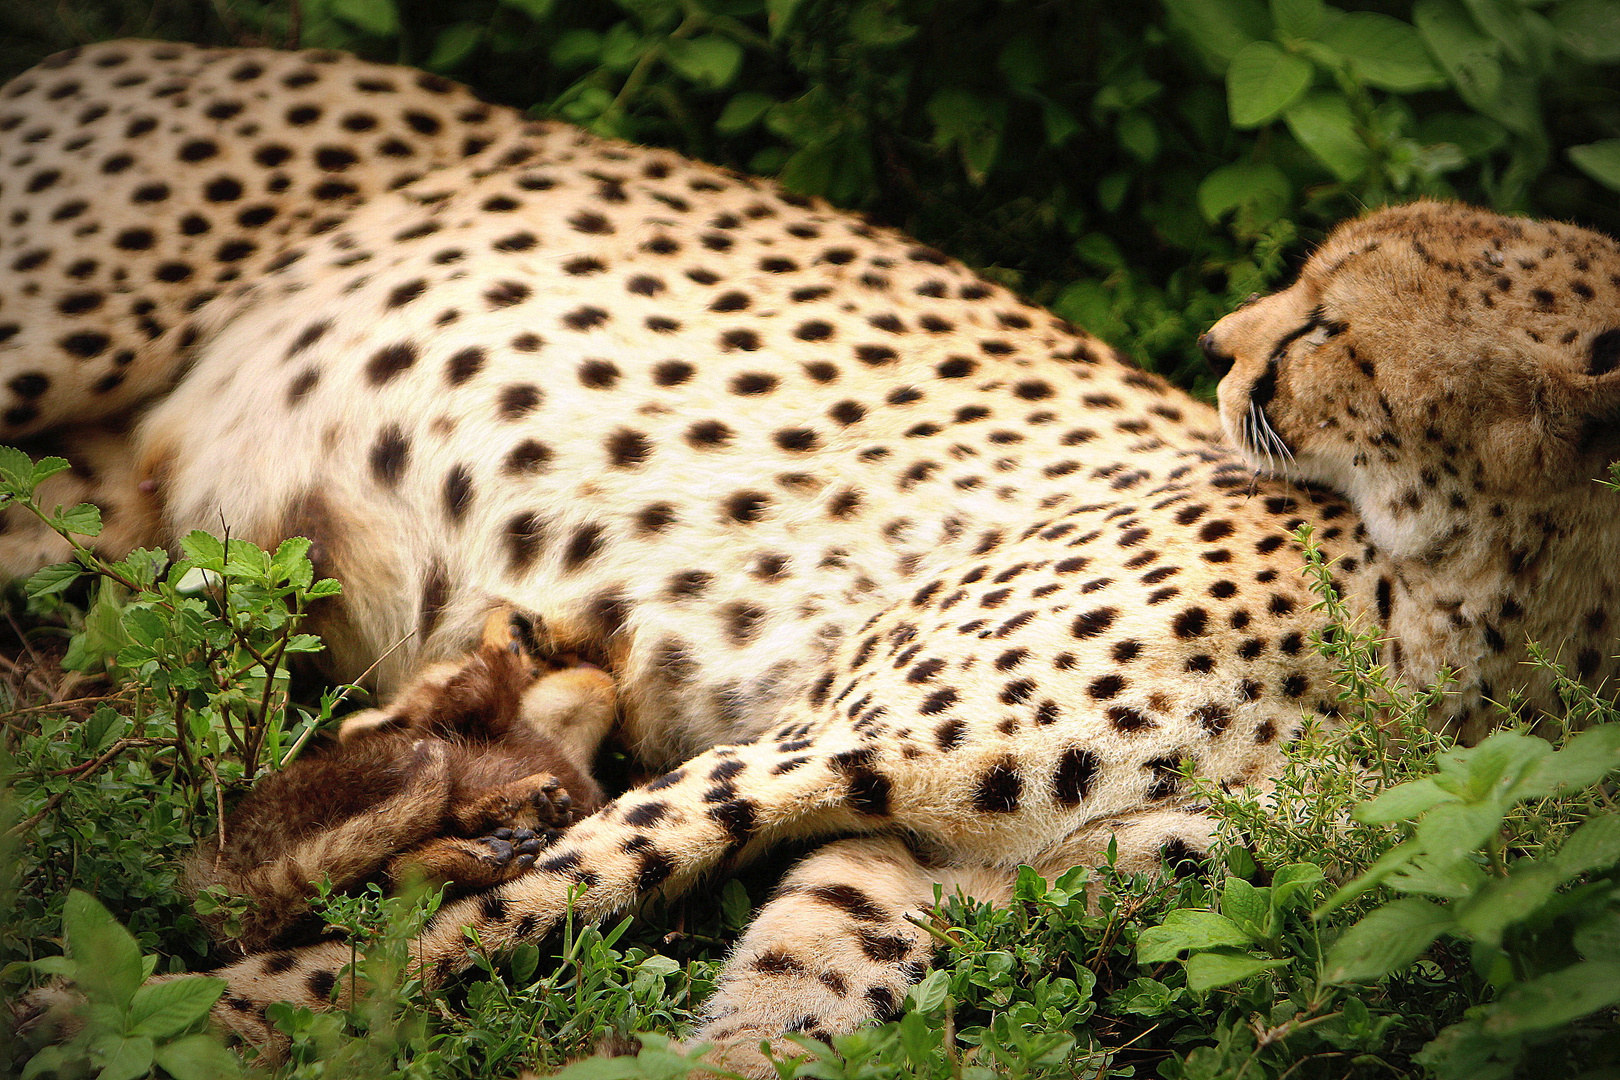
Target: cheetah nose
{"type": "Point", "coordinates": [1219, 360]}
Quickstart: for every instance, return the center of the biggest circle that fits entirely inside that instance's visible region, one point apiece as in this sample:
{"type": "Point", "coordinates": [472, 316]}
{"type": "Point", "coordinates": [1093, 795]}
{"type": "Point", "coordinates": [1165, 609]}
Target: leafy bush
{"type": "Point", "coordinates": [1139, 168]}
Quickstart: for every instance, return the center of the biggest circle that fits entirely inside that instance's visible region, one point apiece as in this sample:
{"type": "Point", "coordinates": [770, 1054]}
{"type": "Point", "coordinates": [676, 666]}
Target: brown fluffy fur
{"type": "Point", "coordinates": [461, 781]}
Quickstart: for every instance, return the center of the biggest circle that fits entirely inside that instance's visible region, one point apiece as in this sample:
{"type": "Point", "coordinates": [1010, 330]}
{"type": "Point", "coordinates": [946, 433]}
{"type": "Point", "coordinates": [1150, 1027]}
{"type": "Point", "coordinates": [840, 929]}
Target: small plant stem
{"type": "Point", "coordinates": [79, 772]}
{"type": "Point", "coordinates": [643, 69]}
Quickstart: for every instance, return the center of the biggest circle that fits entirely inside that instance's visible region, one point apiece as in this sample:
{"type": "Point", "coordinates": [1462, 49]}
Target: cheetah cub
{"type": "Point", "coordinates": [460, 781]}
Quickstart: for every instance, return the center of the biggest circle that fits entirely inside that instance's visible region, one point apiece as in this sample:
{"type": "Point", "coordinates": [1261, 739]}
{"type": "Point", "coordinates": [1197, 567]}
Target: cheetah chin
{"type": "Point", "coordinates": [874, 551]}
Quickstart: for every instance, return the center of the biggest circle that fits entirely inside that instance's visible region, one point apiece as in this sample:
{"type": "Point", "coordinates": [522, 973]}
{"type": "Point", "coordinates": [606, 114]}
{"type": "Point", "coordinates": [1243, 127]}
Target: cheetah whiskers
{"type": "Point", "coordinates": [1263, 439]}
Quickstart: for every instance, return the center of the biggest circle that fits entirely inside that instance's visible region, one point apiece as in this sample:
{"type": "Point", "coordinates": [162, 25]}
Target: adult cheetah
{"type": "Point", "coordinates": [874, 550]}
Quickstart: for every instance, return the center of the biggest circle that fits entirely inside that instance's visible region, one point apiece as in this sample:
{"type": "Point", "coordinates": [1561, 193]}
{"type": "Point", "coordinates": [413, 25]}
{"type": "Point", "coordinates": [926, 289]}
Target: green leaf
{"type": "Point", "coordinates": [1218, 28]}
{"type": "Point", "coordinates": [1402, 802]}
{"type": "Point", "coordinates": [538, 10]}
{"type": "Point", "coordinates": [453, 45]}
{"type": "Point", "coordinates": [1248, 907]}
{"type": "Point", "coordinates": [1556, 999]}
{"type": "Point", "coordinates": [1230, 187]}
{"type": "Point", "coordinates": [1138, 134]}
{"type": "Point", "coordinates": [1599, 160]}
{"type": "Point", "coordinates": [1504, 24]}
{"type": "Point", "coordinates": [1586, 758]}
{"type": "Point", "coordinates": [1593, 846]}
{"type": "Point", "coordinates": [1262, 81]}
{"type": "Point", "coordinates": [1588, 29]}
{"type": "Point", "coordinates": [17, 469]}
{"type": "Point", "coordinates": [576, 48]}
{"type": "Point", "coordinates": [971, 124]}
{"type": "Point", "coordinates": [1324, 125]}
{"type": "Point", "coordinates": [1468, 57]}
{"type": "Point", "coordinates": [1187, 928]}
{"type": "Point", "coordinates": [1598, 939]}
{"type": "Point", "coordinates": [710, 61]}
{"type": "Point", "coordinates": [378, 17]}
{"type": "Point", "coordinates": [929, 994]}
{"type": "Point", "coordinates": [205, 550]}
{"type": "Point", "coordinates": [875, 25]}
{"type": "Point", "coordinates": [1501, 902]}
{"type": "Point", "coordinates": [1384, 52]}
{"type": "Point", "coordinates": [734, 903]}
{"type": "Point", "coordinates": [1207, 970]}
{"type": "Point", "coordinates": [198, 1057]}
{"type": "Point", "coordinates": [1298, 18]}
{"type": "Point", "coordinates": [1385, 941]}
{"type": "Point", "coordinates": [107, 958]}
{"type": "Point", "coordinates": [81, 520]}
{"type": "Point", "coordinates": [167, 1008]}
{"type": "Point", "coordinates": [779, 15]}
{"type": "Point", "coordinates": [48, 580]}
{"type": "Point", "coordinates": [124, 1058]}
{"type": "Point", "coordinates": [1292, 886]}
{"type": "Point", "coordinates": [742, 112]}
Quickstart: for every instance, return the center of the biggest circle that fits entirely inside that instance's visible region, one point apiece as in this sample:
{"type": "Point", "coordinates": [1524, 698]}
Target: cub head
{"type": "Point", "coordinates": [1431, 357]}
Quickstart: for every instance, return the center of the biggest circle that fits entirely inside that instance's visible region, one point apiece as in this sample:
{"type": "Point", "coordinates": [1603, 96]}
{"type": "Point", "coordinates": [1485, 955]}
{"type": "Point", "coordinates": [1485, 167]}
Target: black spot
{"type": "Point", "coordinates": [851, 901]}
{"type": "Point", "coordinates": [464, 365]}
{"type": "Point", "coordinates": [507, 293]}
{"type": "Point", "coordinates": [999, 789]}
{"type": "Point", "coordinates": [404, 294]}
{"type": "Point", "coordinates": [1605, 353]}
{"type": "Point", "coordinates": [885, 1002]}
{"type": "Point", "coordinates": [280, 962]}
{"type": "Point", "coordinates": [458, 493]}
{"type": "Point", "coordinates": [1092, 623]}
{"type": "Point", "coordinates": [646, 814]}
{"type": "Point", "coordinates": [1072, 780]}
{"type": "Point", "coordinates": [320, 985]}
{"type": "Point", "coordinates": [746, 507]}
{"type": "Point", "coordinates": [883, 948]}
{"type": "Point", "coordinates": [518, 400]}
{"type": "Point", "coordinates": [627, 449]}
{"type": "Point", "coordinates": [738, 819]}
{"type": "Point", "coordinates": [389, 455]}
{"type": "Point", "coordinates": [598, 374]}
{"type": "Point", "coordinates": [950, 734]}
{"type": "Point", "coordinates": [389, 362]}
{"type": "Point", "coordinates": [585, 543]}
{"type": "Point", "coordinates": [1191, 623]}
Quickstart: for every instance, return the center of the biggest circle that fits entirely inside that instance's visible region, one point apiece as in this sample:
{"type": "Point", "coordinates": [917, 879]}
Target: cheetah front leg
{"type": "Point", "coordinates": [825, 955]}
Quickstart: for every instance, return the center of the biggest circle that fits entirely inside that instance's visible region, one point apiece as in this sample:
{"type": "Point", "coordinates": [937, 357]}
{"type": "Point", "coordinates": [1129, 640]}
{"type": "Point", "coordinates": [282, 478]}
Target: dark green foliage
{"type": "Point", "coordinates": [1137, 167]}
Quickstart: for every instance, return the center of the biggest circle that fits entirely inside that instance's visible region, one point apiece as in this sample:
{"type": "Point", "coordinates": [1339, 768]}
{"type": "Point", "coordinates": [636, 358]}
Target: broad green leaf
{"type": "Point", "coordinates": [1292, 885]}
{"type": "Point", "coordinates": [779, 15]}
{"type": "Point", "coordinates": [1207, 970]}
{"type": "Point", "coordinates": [1597, 939]}
{"type": "Point", "coordinates": [710, 61]}
{"type": "Point", "coordinates": [108, 960]}
{"type": "Point", "coordinates": [742, 112]}
{"type": "Point", "coordinates": [538, 10]}
{"type": "Point", "coordinates": [125, 1058]}
{"type": "Point", "coordinates": [205, 550]}
{"type": "Point", "coordinates": [81, 520]}
{"type": "Point", "coordinates": [47, 467]}
{"type": "Point", "coordinates": [1137, 134]}
{"type": "Point", "coordinates": [1589, 756]}
{"type": "Point", "coordinates": [1593, 846]}
{"type": "Point", "coordinates": [50, 1059]}
{"type": "Point", "coordinates": [1262, 81]}
{"type": "Point", "coordinates": [52, 579]}
{"type": "Point", "coordinates": [1248, 907]}
{"type": "Point", "coordinates": [167, 1008]}
{"type": "Point", "coordinates": [971, 124]}
{"type": "Point", "coordinates": [1187, 928]}
{"type": "Point", "coordinates": [1219, 28]}
{"type": "Point", "coordinates": [1471, 133]}
{"type": "Point", "coordinates": [379, 17]}
{"type": "Point", "coordinates": [929, 994]}
{"type": "Point", "coordinates": [576, 48]}
{"type": "Point", "coordinates": [875, 25]}
{"type": "Point", "coordinates": [1385, 941]}
{"type": "Point", "coordinates": [1298, 18]}
{"type": "Point", "coordinates": [17, 469]}
{"type": "Point", "coordinates": [1384, 52]}
{"type": "Point", "coordinates": [1263, 187]}
{"type": "Point", "coordinates": [1589, 29]}
{"type": "Point", "coordinates": [1503, 22]}
{"type": "Point", "coordinates": [1501, 902]}
{"type": "Point", "coordinates": [1431, 875]}
{"type": "Point", "coordinates": [198, 1057]}
{"type": "Point", "coordinates": [1402, 803]}
{"type": "Point", "coordinates": [524, 961]}
{"type": "Point", "coordinates": [1599, 160]}
{"type": "Point", "coordinates": [1324, 125]}
{"type": "Point", "coordinates": [1556, 999]}
{"type": "Point", "coordinates": [1468, 57]}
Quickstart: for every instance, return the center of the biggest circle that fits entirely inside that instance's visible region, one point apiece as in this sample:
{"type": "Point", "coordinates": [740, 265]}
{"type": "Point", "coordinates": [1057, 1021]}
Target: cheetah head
{"type": "Point", "coordinates": [1428, 357]}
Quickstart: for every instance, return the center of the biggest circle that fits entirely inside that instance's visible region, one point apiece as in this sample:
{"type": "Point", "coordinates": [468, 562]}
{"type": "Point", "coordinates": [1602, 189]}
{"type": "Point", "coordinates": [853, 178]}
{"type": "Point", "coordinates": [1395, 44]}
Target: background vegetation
{"type": "Point", "coordinates": [1139, 168]}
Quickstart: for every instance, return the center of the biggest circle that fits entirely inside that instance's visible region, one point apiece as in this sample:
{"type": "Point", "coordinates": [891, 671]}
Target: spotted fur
{"type": "Point", "coordinates": [871, 547]}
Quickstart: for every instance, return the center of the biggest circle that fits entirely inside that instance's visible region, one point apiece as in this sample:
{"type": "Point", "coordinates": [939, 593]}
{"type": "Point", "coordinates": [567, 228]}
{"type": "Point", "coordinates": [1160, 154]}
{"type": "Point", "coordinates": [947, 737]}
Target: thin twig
{"type": "Point", "coordinates": [79, 772]}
